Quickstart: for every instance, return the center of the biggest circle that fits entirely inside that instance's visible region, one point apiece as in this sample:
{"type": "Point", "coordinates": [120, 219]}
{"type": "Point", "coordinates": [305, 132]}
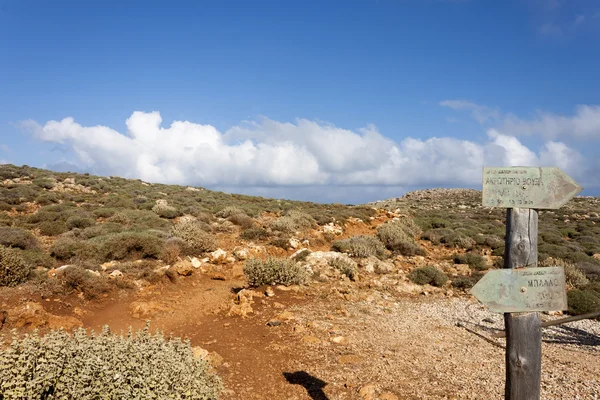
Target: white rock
{"type": "Point", "coordinates": [115, 274]}
{"type": "Point", "coordinates": [294, 243]}
{"type": "Point", "coordinates": [218, 256]}
{"type": "Point", "coordinates": [195, 262]}
{"type": "Point", "coordinates": [95, 273]}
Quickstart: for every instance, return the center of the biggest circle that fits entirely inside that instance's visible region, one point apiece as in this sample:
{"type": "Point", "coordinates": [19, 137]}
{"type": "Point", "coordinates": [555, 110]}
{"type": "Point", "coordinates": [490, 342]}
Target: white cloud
{"type": "Point", "coordinates": [583, 124]}
{"type": "Point", "coordinates": [481, 114]}
{"type": "Point", "coordinates": [268, 155]}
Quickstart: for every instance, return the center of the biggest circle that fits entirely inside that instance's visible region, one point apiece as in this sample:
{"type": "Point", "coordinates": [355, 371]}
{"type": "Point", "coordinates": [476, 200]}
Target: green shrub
{"type": "Point", "coordinates": [428, 275]}
{"type": "Point", "coordinates": [293, 221]}
{"type": "Point", "coordinates": [197, 240]}
{"type": "Point", "coordinates": [583, 301]}
{"type": "Point", "coordinates": [435, 235]}
{"type": "Point", "coordinates": [45, 199]}
{"type": "Point", "coordinates": [44, 183]}
{"type": "Point", "coordinates": [13, 270]}
{"type": "Point", "coordinates": [457, 239]}
{"type": "Point", "coordinates": [230, 211]}
{"type": "Point", "coordinates": [255, 233]}
{"type": "Point", "coordinates": [130, 245]}
{"type": "Point", "coordinates": [17, 237]}
{"type": "Point", "coordinates": [66, 249]}
{"type": "Point", "coordinates": [360, 246]}
{"type": "Point", "coordinates": [52, 228]}
{"type": "Point", "coordinates": [283, 242]}
{"type": "Point", "coordinates": [80, 222]}
{"type": "Point", "coordinates": [344, 266]}
{"type": "Point", "coordinates": [473, 260]}
{"type": "Point", "coordinates": [166, 211]}
{"type": "Point", "coordinates": [398, 236]}
{"type": "Point", "coordinates": [37, 258]}
{"type": "Point", "coordinates": [141, 366]}
{"type": "Point", "coordinates": [465, 282]}
{"type": "Point", "coordinates": [274, 271]}
{"type": "Point", "coordinates": [104, 212]}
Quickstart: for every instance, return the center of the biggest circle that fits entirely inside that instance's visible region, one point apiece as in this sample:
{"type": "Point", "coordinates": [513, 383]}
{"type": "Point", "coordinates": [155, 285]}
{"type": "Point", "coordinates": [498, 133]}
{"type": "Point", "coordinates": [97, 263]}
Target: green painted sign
{"type": "Point", "coordinates": [527, 187]}
{"type": "Point", "coordinates": [523, 289]}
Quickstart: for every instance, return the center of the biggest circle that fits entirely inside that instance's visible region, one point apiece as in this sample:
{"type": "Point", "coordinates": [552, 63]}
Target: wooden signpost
{"type": "Point", "coordinates": [521, 288]}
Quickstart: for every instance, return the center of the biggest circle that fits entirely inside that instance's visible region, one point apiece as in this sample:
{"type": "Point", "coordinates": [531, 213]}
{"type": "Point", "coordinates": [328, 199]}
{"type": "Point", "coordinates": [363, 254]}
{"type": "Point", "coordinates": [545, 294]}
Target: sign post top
{"type": "Point", "coordinates": [527, 187]}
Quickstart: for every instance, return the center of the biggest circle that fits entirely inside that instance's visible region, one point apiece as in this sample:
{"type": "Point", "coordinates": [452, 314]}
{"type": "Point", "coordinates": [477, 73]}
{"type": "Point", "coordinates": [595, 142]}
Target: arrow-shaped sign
{"type": "Point", "coordinates": [523, 289]}
{"type": "Point", "coordinates": [527, 187]}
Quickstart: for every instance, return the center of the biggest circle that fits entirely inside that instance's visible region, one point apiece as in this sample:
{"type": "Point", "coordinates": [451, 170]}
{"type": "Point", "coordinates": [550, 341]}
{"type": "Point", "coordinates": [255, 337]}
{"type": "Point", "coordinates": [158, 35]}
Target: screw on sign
{"type": "Point", "coordinates": [521, 288]}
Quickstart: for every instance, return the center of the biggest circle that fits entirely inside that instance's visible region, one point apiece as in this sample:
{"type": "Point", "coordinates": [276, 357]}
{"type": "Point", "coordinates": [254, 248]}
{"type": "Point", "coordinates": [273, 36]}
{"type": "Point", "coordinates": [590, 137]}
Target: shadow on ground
{"type": "Point", "coordinates": [314, 386]}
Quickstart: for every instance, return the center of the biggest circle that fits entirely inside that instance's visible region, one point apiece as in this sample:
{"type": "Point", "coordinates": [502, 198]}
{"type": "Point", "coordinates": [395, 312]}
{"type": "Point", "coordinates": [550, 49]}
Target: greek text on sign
{"type": "Point", "coordinates": [527, 187]}
{"type": "Point", "coordinates": [523, 289]}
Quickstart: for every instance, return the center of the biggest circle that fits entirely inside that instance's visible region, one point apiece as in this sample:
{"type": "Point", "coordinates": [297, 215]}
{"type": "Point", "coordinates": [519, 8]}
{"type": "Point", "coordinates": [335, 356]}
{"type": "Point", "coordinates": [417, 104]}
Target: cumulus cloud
{"type": "Point", "coordinates": [265, 156]}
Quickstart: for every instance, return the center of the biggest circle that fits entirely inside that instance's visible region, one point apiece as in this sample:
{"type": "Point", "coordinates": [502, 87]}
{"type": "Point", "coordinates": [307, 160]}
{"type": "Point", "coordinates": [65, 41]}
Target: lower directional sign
{"type": "Point", "coordinates": [524, 289]}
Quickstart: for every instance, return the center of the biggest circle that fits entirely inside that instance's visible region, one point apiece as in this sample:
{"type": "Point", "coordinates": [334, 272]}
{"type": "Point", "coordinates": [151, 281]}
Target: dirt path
{"type": "Point", "coordinates": [378, 346]}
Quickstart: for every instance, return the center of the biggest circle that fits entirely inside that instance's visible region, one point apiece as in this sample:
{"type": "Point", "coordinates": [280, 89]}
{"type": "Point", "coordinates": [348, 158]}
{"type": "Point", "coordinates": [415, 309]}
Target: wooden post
{"type": "Point", "coordinates": [523, 330]}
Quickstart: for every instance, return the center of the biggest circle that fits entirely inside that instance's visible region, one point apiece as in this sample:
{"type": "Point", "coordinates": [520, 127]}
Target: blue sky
{"type": "Point", "coordinates": [343, 101]}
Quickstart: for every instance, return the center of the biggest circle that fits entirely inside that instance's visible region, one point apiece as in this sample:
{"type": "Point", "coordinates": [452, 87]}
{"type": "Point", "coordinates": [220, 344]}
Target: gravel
{"type": "Point", "coordinates": [413, 348]}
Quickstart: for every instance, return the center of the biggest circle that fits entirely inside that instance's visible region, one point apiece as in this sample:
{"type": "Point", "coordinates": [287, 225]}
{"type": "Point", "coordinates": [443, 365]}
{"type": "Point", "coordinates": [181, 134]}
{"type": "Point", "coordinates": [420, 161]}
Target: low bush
{"type": "Point", "coordinates": [466, 282]}
{"type": "Point", "coordinates": [473, 260]}
{"type": "Point", "coordinates": [130, 245]}
{"type": "Point", "coordinates": [428, 275]}
{"type": "Point", "coordinates": [283, 242]}
{"type": "Point", "coordinates": [82, 366]}
{"type": "Point", "coordinates": [76, 278]}
{"type": "Point", "coordinates": [274, 271]}
{"type": "Point", "coordinates": [197, 240]}
{"type": "Point", "coordinates": [241, 220]}
{"type": "Point", "coordinates": [13, 269]}
{"type": "Point", "coordinates": [52, 228]}
{"type": "Point", "coordinates": [344, 266]}
{"type": "Point", "coordinates": [105, 212]}
{"type": "Point", "coordinates": [66, 249]}
{"type": "Point", "coordinates": [360, 246]}
{"type": "Point", "coordinates": [230, 211]}
{"type": "Point", "coordinates": [38, 258]}
{"type": "Point", "coordinates": [17, 237]}
{"type": "Point", "coordinates": [293, 221]}
{"type": "Point", "coordinates": [255, 233]}
{"type": "Point", "coordinates": [80, 222]}
{"type": "Point", "coordinates": [456, 239]}
{"type": "Point", "coordinates": [398, 236]}
{"type": "Point", "coordinates": [583, 301]}
{"type": "Point", "coordinates": [172, 249]}
{"type": "Point", "coordinates": [166, 211]}
{"type": "Point", "coordinates": [44, 183]}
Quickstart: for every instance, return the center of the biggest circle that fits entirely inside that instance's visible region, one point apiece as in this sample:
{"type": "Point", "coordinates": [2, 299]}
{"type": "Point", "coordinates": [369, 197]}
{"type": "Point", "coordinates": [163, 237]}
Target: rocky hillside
{"type": "Point", "coordinates": [84, 251]}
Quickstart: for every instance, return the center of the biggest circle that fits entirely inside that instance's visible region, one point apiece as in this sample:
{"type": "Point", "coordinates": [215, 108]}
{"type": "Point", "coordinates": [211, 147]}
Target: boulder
{"type": "Point", "coordinates": [218, 256]}
{"type": "Point", "coordinates": [32, 315]}
{"type": "Point", "coordinates": [115, 274]}
{"type": "Point", "coordinates": [183, 268]}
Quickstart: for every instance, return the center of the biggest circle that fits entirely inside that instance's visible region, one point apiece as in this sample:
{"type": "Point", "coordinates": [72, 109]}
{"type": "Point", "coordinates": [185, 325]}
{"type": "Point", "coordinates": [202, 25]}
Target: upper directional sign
{"type": "Point", "coordinates": [523, 289]}
{"type": "Point", "coordinates": [527, 187]}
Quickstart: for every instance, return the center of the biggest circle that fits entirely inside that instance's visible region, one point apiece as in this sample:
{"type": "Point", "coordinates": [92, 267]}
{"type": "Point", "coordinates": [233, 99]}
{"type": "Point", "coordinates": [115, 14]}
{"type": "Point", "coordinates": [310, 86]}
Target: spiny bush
{"type": "Point", "coordinates": [44, 183]}
{"type": "Point", "coordinates": [344, 266]}
{"type": "Point", "coordinates": [130, 245]}
{"type": "Point", "coordinates": [293, 221]}
{"type": "Point", "coordinates": [457, 239]}
{"type": "Point", "coordinates": [274, 271]}
{"type": "Point", "coordinates": [197, 240]}
{"type": "Point", "coordinates": [574, 276]}
{"type": "Point", "coordinates": [16, 237]}
{"type": "Point", "coordinates": [82, 366]}
{"type": "Point", "coordinates": [360, 246]}
{"type": "Point", "coordinates": [428, 275]}
{"type": "Point", "coordinates": [13, 270]}
{"type": "Point", "coordinates": [473, 260]}
{"type": "Point", "coordinates": [172, 250]}
{"type": "Point", "coordinates": [105, 212]}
